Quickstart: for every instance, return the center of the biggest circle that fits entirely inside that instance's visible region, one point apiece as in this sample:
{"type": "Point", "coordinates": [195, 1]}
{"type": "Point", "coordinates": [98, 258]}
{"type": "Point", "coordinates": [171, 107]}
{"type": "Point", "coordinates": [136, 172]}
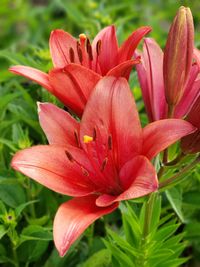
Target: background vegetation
{"type": "Point", "coordinates": [26, 208]}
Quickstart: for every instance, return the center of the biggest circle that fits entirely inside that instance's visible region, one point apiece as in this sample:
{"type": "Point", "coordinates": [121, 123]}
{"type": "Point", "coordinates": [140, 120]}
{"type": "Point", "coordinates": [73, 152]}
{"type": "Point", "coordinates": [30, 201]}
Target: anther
{"type": "Point", "coordinates": [79, 52]}
{"type": "Point", "coordinates": [103, 165]}
{"type": "Point", "coordinates": [84, 171]}
{"type": "Point", "coordinates": [94, 134]}
{"type": "Point", "coordinates": [87, 139]}
{"type": "Point", "coordinates": [69, 156]}
{"type": "Point", "coordinates": [82, 37]}
{"type": "Point", "coordinates": [110, 142]}
{"type": "Point", "coordinates": [71, 55]}
{"type": "Point", "coordinates": [89, 49]}
{"type": "Point", "coordinates": [77, 138]}
{"type": "Point", "coordinates": [98, 47]}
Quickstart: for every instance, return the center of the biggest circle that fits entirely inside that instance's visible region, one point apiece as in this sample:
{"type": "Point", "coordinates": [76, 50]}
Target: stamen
{"type": "Point", "coordinates": [79, 52]}
{"type": "Point", "coordinates": [71, 55]}
{"type": "Point", "coordinates": [110, 142]}
{"type": "Point", "coordinates": [94, 134]}
{"type": "Point", "coordinates": [77, 138]}
{"type": "Point", "coordinates": [89, 49]}
{"type": "Point", "coordinates": [84, 171]}
{"type": "Point", "coordinates": [87, 139]}
{"type": "Point", "coordinates": [69, 156]}
{"type": "Point", "coordinates": [82, 37]}
{"type": "Point", "coordinates": [98, 47]}
{"type": "Point", "coordinates": [104, 163]}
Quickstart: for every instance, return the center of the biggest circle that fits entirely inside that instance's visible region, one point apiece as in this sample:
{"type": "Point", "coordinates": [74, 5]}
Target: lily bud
{"type": "Point", "coordinates": [178, 55]}
{"type": "Point", "coordinates": [190, 144]}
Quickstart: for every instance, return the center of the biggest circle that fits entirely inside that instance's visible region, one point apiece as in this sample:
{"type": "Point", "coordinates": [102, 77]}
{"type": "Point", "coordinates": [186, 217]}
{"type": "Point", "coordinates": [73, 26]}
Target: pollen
{"type": "Point", "coordinates": [87, 139]}
{"type": "Point", "coordinates": [82, 36]}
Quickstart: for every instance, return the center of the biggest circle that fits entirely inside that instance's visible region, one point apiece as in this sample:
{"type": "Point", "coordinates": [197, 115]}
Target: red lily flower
{"type": "Point", "coordinates": [78, 65]}
{"type": "Point", "coordinates": [101, 160]}
{"type": "Point", "coordinates": [150, 74]}
{"type": "Point", "coordinates": [190, 144]}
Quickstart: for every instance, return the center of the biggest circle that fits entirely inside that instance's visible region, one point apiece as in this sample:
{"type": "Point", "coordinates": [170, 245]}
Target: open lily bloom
{"type": "Point", "coordinates": [150, 73]}
{"type": "Point", "coordinates": [100, 161]}
{"type": "Point", "coordinates": [78, 64]}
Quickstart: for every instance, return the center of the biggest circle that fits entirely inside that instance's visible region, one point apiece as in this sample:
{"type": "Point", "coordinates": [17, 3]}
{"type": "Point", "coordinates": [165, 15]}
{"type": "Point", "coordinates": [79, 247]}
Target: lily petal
{"type": "Point", "coordinates": [139, 178]}
{"type": "Point", "coordinates": [73, 85]}
{"type": "Point", "coordinates": [159, 135]}
{"type": "Point", "coordinates": [127, 49]}
{"type": "Point", "coordinates": [116, 116]}
{"type": "Point", "coordinates": [73, 217]}
{"type": "Point", "coordinates": [60, 44]}
{"type": "Point", "coordinates": [33, 74]}
{"type": "Point", "coordinates": [61, 169]}
{"type": "Point", "coordinates": [153, 86]}
{"type": "Point", "coordinates": [123, 69]}
{"type": "Point", "coordinates": [191, 93]}
{"type": "Point", "coordinates": [59, 127]}
{"type": "Point", "coordinates": [107, 57]}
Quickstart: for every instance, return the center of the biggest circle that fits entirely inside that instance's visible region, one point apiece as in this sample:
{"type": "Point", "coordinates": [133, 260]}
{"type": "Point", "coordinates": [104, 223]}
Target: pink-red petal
{"type": "Point", "coordinates": [73, 85]}
{"type": "Point", "coordinates": [191, 92]}
{"type": "Point", "coordinates": [127, 49]}
{"type": "Point", "coordinates": [118, 129]}
{"type": "Point", "coordinates": [150, 73]}
{"type": "Point", "coordinates": [59, 126]}
{"type": "Point", "coordinates": [107, 57]}
{"type": "Point", "coordinates": [159, 135]}
{"type": "Point", "coordinates": [62, 169]}
{"type": "Point", "coordinates": [138, 177]}
{"type": "Point", "coordinates": [61, 43]}
{"type": "Point", "coordinates": [33, 74]}
{"type": "Point", "coordinates": [73, 217]}
{"type": "Point", "coordinates": [123, 69]}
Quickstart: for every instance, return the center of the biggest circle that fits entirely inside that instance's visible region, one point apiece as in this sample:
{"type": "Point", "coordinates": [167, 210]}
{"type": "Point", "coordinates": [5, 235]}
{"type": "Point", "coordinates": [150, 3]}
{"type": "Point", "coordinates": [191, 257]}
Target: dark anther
{"type": "Point", "coordinates": [89, 49]}
{"type": "Point", "coordinates": [69, 156]}
{"type": "Point", "coordinates": [84, 171]}
{"type": "Point", "coordinates": [110, 142]}
{"type": "Point", "coordinates": [98, 47]}
{"type": "Point", "coordinates": [94, 134]}
{"type": "Point", "coordinates": [104, 164]}
{"type": "Point", "coordinates": [71, 55]}
{"type": "Point", "coordinates": [10, 217]}
{"type": "Point", "coordinates": [77, 138]}
{"type": "Point", "coordinates": [80, 55]}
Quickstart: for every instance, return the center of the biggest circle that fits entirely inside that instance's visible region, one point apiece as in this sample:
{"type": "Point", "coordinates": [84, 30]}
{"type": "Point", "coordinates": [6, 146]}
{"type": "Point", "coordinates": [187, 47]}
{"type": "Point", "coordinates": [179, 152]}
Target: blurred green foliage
{"type": "Point", "coordinates": [26, 208]}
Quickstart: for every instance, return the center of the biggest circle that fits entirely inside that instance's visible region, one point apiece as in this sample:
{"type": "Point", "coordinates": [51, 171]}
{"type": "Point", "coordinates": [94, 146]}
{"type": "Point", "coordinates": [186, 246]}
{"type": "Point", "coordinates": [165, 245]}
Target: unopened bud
{"type": "Point", "coordinates": [178, 55]}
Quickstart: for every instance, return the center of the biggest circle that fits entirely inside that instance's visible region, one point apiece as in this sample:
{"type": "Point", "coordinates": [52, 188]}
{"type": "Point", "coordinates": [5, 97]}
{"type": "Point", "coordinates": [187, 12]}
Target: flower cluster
{"type": "Point", "coordinates": [105, 157]}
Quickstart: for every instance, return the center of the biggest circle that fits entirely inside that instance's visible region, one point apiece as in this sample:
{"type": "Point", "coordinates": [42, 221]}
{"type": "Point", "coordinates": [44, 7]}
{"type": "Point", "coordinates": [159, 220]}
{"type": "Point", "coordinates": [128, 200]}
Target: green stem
{"type": "Point", "coordinates": [148, 215]}
{"type": "Point", "coordinates": [15, 256]}
{"type": "Point", "coordinates": [176, 160]}
{"type": "Point", "coordinates": [176, 177]}
{"type": "Point", "coordinates": [169, 115]}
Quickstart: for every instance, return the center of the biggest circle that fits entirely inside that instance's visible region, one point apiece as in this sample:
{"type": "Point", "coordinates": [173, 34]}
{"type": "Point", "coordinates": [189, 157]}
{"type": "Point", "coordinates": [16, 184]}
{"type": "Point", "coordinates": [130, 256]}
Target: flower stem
{"type": "Point", "coordinates": [15, 257]}
{"type": "Point", "coordinates": [177, 176]}
{"type": "Point", "coordinates": [176, 160]}
{"type": "Point", "coordinates": [148, 214]}
{"type": "Point", "coordinates": [169, 115]}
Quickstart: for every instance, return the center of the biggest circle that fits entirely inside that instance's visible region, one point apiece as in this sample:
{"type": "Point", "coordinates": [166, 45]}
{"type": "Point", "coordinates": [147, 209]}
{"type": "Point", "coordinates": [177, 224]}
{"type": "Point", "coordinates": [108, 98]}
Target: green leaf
{"type": "Point", "coordinates": [192, 198]}
{"type": "Point", "coordinates": [35, 232]}
{"type": "Point", "coordinates": [12, 195]}
{"type": "Point", "coordinates": [101, 258]}
{"type": "Point", "coordinates": [3, 231]}
{"type": "Point", "coordinates": [174, 195]}
{"type": "Point", "coordinates": [21, 207]}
